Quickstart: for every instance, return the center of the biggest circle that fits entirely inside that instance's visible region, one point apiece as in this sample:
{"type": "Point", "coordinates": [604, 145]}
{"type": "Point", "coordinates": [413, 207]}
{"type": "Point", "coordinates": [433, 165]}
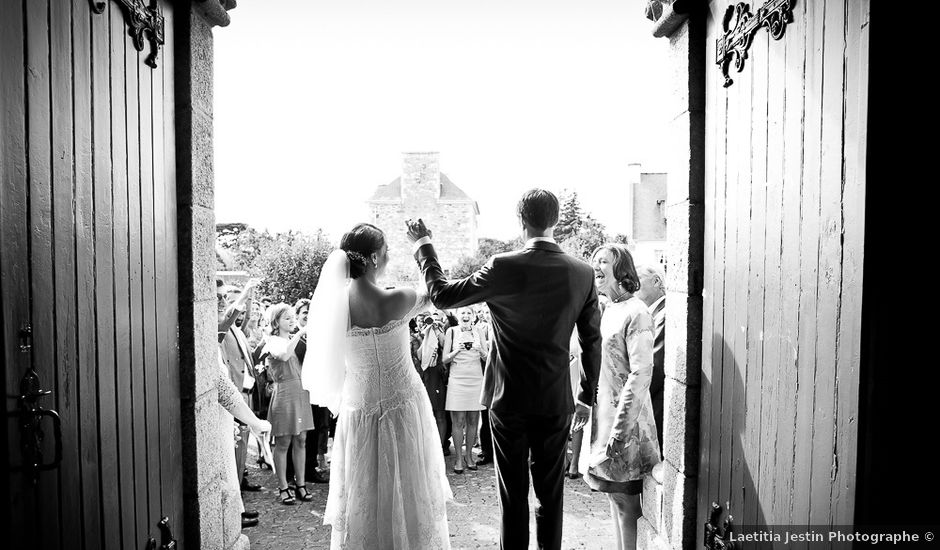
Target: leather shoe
{"type": "Point", "coordinates": [484, 459]}
{"type": "Point", "coordinates": [246, 522]}
{"type": "Point", "coordinates": [250, 514]}
{"type": "Point", "coordinates": [317, 477]}
{"type": "Point", "coordinates": [248, 486]}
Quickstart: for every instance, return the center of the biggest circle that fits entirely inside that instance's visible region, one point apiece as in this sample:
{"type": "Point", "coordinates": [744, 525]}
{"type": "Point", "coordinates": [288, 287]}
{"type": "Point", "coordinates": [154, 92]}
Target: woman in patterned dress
{"type": "Point", "coordinates": [624, 446]}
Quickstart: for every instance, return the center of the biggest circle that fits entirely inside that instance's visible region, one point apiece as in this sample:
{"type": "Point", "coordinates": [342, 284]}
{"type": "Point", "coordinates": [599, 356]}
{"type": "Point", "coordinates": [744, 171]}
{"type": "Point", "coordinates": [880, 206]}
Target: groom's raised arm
{"type": "Point", "coordinates": [449, 294]}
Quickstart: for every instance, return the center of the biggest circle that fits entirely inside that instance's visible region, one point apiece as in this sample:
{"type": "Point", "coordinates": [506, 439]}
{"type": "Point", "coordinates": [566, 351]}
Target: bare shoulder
{"type": "Point", "coordinates": [400, 301]}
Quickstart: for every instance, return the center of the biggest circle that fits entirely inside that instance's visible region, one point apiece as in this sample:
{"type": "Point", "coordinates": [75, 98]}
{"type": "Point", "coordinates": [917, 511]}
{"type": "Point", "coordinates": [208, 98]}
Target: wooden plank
{"type": "Point", "coordinates": [14, 262]}
{"type": "Point", "coordinates": [161, 264]}
{"type": "Point", "coordinates": [742, 483]}
{"type": "Point", "coordinates": [829, 283]}
{"type": "Point", "coordinates": [847, 364]}
{"type": "Point", "coordinates": [786, 315]}
{"type": "Point", "coordinates": [85, 279]}
{"type": "Point", "coordinates": [718, 347]}
{"type": "Point", "coordinates": [709, 375]}
{"type": "Point", "coordinates": [171, 437]}
{"type": "Point", "coordinates": [122, 325]}
{"type": "Point", "coordinates": [754, 383]}
{"type": "Point", "coordinates": [768, 477]}
{"type": "Point", "coordinates": [46, 531]}
{"type": "Point", "coordinates": [132, 65]}
{"type": "Point", "coordinates": [730, 387]}
{"type": "Point", "coordinates": [149, 300]}
{"type": "Point", "coordinates": [809, 266]}
{"type": "Point", "coordinates": [63, 231]}
{"type": "Point", "coordinates": [104, 283]}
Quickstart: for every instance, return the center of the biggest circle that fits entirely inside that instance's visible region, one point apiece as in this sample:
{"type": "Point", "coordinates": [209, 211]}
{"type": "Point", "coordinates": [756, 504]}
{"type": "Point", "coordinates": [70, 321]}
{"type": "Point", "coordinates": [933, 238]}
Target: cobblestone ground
{"type": "Point", "coordinates": [473, 516]}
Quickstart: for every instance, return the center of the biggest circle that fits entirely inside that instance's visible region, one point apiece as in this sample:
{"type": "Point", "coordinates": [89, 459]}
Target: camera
{"type": "Point", "coordinates": [467, 345]}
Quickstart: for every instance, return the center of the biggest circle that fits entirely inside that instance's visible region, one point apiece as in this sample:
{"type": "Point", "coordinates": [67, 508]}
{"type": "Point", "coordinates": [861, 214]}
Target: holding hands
{"type": "Point", "coordinates": [416, 230]}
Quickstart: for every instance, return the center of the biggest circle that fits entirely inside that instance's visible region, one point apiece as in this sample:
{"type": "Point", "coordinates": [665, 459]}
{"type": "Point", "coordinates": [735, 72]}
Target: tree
{"type": "Point", "coordinates": [237, 244]}
{"type": "Point", "coordinates": [487, 247]}
{"type": "Point", "coordinates": [590, 235]}
{"type": "Point", "coordinates": [570, 217]}
{"type": "Point", "coordinates": [290, 265]}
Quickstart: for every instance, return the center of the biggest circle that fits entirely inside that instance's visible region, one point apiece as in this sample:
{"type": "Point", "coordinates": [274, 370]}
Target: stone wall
{"type": "Point", "coordinates": [669, 496]}
{"type": "Point", "coordinates": [453, 223]}
{"type": "Point", "coordinates": [210, 521]}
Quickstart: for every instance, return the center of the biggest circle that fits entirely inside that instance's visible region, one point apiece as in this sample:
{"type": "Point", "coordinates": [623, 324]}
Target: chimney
{"type": "Point", "coordinates": [420, 181]}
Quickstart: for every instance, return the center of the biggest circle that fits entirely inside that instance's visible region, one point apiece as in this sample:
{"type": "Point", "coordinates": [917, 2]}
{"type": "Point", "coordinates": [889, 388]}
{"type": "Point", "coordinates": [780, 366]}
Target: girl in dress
{"type": "Point", "coordinates": [624, 445]}
{"type": "Point", "coordinates": [464, 351]}
{"type": "Point", "coordinates": [289, 412]}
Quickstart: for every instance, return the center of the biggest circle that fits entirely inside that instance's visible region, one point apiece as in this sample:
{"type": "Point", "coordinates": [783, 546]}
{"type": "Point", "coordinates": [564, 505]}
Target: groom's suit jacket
{"type": "Point", "coordinates": [536, 296]}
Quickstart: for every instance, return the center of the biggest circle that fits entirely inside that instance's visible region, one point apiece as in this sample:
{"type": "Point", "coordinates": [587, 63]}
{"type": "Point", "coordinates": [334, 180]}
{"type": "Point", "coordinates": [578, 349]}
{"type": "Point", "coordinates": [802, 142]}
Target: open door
{"type": "Point", "coordinates": [784, 241]}
{"type": "Point", "coordinates": [89, 277]}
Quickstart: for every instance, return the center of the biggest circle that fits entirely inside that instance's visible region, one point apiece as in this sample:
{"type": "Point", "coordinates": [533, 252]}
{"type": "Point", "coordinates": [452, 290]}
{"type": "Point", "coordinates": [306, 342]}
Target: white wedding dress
{"type": "Point", "coordinates": [388, 486]}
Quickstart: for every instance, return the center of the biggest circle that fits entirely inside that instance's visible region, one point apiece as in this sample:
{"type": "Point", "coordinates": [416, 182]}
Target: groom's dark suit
{"type": "Point", "coordinates": [536, 296]}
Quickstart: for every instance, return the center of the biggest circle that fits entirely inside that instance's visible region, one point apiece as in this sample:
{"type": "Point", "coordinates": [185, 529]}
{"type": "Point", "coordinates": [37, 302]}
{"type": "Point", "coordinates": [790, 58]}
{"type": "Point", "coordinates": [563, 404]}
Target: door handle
{"type": "Point", "coordinates": [31, 415]}
{"type": "Point", "coordinates": [167, 542]}
{"type": "Point", "coordinates": [718, 538]}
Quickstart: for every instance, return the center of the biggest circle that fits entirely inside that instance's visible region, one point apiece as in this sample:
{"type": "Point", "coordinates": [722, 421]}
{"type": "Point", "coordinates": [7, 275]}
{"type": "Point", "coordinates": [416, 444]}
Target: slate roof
{"type": "Point", "coordinates": [392, 191]}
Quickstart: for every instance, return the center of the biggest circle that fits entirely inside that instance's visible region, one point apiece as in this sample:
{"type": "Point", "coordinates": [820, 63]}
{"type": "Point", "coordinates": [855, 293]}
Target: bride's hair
{"type": "Point", "coordinates": [359, 243]}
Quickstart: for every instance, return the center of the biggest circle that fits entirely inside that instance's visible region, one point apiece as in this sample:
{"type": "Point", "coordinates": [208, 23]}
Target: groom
{"type": "Point", "coordinates": [536, 297]}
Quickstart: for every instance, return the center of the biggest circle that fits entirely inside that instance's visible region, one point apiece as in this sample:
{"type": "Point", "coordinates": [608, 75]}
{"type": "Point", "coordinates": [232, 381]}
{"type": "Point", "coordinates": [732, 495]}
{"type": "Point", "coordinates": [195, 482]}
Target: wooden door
{"type": "Point", "coordinates": [89, 277]}
{"type": "Point", "coordinates": [784, 221]}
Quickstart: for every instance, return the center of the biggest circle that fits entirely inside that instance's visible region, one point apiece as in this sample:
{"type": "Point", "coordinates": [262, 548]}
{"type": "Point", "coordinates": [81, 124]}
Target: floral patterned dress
{"type": "Point", "coordinates": [623, 408]}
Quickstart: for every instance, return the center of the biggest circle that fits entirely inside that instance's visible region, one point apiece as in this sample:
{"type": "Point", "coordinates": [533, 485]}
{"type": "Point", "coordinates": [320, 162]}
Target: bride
{"type": "Point", "coordinates": [388, 487]}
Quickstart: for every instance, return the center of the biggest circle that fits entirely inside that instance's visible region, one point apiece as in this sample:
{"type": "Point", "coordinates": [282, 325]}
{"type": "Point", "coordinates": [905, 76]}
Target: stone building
{"type": "Point", "coordinates": [646, 209]}
{"type": "Point", "coordinates": [422, 191]}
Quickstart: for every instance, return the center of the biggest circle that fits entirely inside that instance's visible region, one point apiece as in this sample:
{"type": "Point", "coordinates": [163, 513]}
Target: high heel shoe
{"type": "Point", "coordinates": [303, 495]}
{"type": "Point", "coordinates": [287, 497]}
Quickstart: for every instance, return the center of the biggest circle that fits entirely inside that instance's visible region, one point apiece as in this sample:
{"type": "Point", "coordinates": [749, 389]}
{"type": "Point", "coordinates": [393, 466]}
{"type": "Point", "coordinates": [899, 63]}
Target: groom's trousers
{"type": "Point", "coordinates": [517, 440]}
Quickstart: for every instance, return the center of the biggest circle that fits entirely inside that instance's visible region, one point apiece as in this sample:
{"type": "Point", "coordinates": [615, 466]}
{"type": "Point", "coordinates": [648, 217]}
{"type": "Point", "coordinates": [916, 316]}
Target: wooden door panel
{"type": "Point", "coordinates": [88, 233]}
{"type": "Point", "coordinates": [783, 238]}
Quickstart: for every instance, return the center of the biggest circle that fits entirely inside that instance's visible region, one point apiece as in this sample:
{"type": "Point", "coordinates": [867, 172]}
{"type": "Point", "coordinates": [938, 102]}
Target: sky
{"type": "Point", "coordinates": [315, 101]}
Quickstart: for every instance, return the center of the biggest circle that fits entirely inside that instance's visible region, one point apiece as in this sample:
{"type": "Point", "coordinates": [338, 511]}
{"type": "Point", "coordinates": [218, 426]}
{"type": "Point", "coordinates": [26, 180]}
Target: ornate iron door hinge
{"type": "Point", "coordinates": [740, 25]}
{"type": "Point", "coordinates": [718, 538]}
{"type": "Point", "coordinates": [144, 22]}
{"type": "Point", "coordinates": [31, 433]}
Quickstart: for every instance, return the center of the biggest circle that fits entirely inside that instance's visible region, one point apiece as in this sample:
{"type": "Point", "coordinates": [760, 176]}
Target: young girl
{"type": "Point", "coordinates": [289, 414]}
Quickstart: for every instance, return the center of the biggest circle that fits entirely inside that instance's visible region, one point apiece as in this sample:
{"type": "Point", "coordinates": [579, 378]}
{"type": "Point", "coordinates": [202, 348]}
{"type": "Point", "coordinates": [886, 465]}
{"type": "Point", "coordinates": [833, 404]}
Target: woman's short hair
{"type": "Point", "coordinates": [300, 304]}
{"type": "Point", "coordinates": [275, 313]}
{"type": "Point", "coordinates": [538, 209]}
{"type": "Point", "coordinates": [624, 268]}
{"type": "Point", "coordinates": [359, 243]}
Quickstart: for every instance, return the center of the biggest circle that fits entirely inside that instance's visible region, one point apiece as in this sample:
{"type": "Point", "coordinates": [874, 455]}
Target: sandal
{"type": "Point", "coordinates": [289, 498]}
{"type": "Point", "coordinates": [305, 496]}
{"type": "Point", "coordinates": [573, 475]}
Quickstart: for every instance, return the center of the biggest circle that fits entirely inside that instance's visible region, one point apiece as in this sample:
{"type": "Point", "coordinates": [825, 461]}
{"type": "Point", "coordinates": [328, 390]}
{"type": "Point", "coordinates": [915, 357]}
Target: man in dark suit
{"type": "Point", "coordinates": [653, 293]}
{"type": "Point", "coordinates": [536, 296]}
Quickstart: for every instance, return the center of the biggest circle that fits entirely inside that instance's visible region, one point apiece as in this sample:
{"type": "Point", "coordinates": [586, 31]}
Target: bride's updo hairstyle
{"type": "Point", "coordinates": [359, 243]}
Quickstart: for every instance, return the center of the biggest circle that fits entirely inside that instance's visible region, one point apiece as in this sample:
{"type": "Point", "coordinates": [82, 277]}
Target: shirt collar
{"type": "Point", "coordinates": [540, 240]}
{"type": "Point", "coordinates": [655, 304]}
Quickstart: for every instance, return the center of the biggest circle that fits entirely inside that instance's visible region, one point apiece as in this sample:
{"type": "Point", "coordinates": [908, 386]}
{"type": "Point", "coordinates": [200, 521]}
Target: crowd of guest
{"type": "Point", "coordinates": [449, 351]}
{"type": "Point", "coordinates": [262, 346]}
